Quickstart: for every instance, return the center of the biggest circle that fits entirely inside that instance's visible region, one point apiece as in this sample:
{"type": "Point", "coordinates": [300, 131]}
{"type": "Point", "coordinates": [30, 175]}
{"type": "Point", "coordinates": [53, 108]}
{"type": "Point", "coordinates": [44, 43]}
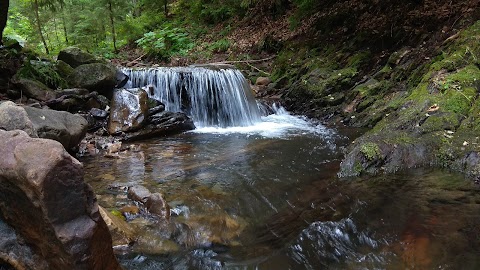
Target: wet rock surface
{"type": "Point", "coordinates": [129, 110]}
{"type": "Point", "coordinates": [162, 124]}
{"type": "Point", "coordinates": [45, 200]}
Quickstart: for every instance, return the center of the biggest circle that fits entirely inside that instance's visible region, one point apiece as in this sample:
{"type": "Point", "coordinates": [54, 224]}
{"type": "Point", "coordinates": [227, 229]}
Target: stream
{"type": "Point", "coordinates": [267, 197]}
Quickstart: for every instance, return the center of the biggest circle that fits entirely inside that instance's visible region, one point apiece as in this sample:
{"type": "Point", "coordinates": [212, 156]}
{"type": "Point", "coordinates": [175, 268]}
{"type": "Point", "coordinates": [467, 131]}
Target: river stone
{"type": "Point", "coordinates": [15, 117]}
{"type": "Point", "coordinates": [129, 110]}
{"type": "Point", "coordinates": [75, 57]}
{"type": "Point", "coordinates": [72, 92]}
{"type": "Point", "coordinates": [44, 199]}
{"type": "Point", "coordinates": [98, 113]}
{"type": "Point", "coordinates": [35, 89]}
{"type": "Point", "coordinates": [156, 109]}
{"type": "Point", "coordinates": [64, 127]}
{"type": "Point", "coordinates": [263, 81]}
{"type": "Point", "coordinates": [162, 124]}
{"type": "Point", "coordinates": [157, 205]}
{"type": "Point", "coordinates": [122, 233]}
{"type": "Point", "coordinates": [138, 193]}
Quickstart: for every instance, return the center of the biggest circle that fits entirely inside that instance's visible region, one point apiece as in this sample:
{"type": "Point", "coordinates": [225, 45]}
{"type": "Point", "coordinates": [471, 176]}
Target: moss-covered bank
{"type": "Point", "coordinates": [420, 102]}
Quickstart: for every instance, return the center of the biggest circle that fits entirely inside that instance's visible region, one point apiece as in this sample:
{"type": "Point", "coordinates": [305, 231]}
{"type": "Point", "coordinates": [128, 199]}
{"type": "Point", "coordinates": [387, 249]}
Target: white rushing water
{"type": "Point", "coordinates": [212, 97]}
{"type": "Point", "coordinates": [219, 100]}
{"type": "Point", "coordinates": [279, 124]}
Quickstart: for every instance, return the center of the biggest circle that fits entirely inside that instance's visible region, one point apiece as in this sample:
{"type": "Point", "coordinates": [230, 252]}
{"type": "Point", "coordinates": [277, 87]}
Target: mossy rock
{"type": "Point", "coordinates": [370, 150]}
{"type": "Point", "coordinates": [63, 69]}
{"type": "Point", "coordinates": [441, 121]}
{"type": "Point", "coordinates": [75, 57]}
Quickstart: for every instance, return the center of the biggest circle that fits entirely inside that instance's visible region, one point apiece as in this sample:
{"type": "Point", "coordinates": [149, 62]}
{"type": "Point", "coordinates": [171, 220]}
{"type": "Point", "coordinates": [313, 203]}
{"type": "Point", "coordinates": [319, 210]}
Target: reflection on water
{"type": "Point", "coordinates": [252, 200]}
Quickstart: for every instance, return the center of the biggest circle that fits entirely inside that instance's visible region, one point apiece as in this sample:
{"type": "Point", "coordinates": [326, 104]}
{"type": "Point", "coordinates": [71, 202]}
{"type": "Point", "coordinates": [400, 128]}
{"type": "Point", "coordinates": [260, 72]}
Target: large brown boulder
{"type": "Point", "coordinates": [44, 199]}
{"type": "Point", "coordinates": [129, 110]}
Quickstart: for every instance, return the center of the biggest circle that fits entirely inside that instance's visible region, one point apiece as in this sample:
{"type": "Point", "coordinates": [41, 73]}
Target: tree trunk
{"type": "Point", "coordinates": [165, 6]}
{"type": "Point", "coordinates": [112, 23]}
{"type": "Point", "coordinates": [56, 30]}
{"type": "Point", "coordinates": [3, 17]}
{"type": "Point", "coordinates": [64, 23]}
{"type": "Point", "coordinates": [39, 25]}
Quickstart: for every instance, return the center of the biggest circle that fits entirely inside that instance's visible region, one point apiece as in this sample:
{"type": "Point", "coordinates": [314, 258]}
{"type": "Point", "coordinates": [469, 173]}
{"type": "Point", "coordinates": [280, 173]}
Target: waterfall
{"type": "Point", "coordinates": [211, 96]}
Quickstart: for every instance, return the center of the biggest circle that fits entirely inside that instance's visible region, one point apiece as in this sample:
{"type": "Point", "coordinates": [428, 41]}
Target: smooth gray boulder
{"type": "Point", "coordinates": [64, 127]}
{"type": "Point", "coordinates": [13, 117]}
{"type": "Point", "coordinates": [75, 57]}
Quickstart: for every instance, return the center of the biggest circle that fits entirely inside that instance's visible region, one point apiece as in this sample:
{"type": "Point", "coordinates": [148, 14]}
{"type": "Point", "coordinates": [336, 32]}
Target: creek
{"type": "Point", "coordinates": [264, 195]}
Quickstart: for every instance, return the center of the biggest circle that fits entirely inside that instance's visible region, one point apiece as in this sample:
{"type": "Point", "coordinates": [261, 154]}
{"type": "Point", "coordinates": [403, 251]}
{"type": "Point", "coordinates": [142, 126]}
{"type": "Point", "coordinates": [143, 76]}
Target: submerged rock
{"type": "Point", "coordinates": [157, 205]}
{"type": "Point", "coordinates": [122, 233]}
{"type": "Point", "coordinates": [139, 193]}
{"type": "Point", "coordinates": [44, 199]}
{"type": "Point", "coordinates": [129, 110]}
{"type": "Point", "coordinates": [154, 203]}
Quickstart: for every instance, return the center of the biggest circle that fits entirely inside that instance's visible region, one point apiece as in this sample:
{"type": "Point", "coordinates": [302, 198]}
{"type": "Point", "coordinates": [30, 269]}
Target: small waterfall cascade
{"type": "Point", "coordinates": [212, 96]}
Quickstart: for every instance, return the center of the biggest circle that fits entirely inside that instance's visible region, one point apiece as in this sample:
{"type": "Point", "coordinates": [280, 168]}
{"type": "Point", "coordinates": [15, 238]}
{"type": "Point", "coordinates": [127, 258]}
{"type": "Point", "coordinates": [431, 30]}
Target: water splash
{"type": "Point", "coordinates": [218, 97]}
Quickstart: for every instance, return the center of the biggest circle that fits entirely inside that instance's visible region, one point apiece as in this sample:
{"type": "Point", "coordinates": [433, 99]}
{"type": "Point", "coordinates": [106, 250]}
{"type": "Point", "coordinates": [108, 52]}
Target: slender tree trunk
{"type": "Point", "coordinates": [56, 30]}
{"type": "Point", "coordinates": [112, 23]}
{"type": "Point", "coordinates": [39, 25]}
{"type": "Point", "coordinates": [3, 17]}
{"type": "Point", "coordinates": [165, 7]}
{"type": "Point", "coordinates": [65, 33]}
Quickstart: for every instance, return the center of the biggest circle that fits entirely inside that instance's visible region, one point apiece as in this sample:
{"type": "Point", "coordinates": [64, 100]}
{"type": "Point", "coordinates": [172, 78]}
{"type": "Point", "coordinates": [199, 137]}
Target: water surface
{"type": "Point", "coordinates": [267, 197]}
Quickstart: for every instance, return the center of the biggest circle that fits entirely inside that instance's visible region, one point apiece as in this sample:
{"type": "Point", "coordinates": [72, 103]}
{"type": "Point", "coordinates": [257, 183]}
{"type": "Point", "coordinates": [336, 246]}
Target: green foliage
{"type": "Point", "coordinates": [219, 46]}
{"type": "Point", "coordinates": [166, 42]}
{"type": "Point", "coordinates": [43, 72]}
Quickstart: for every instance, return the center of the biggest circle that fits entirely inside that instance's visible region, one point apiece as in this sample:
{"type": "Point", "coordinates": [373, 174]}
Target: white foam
{"type": "Point", "coordinates": [280, 124]}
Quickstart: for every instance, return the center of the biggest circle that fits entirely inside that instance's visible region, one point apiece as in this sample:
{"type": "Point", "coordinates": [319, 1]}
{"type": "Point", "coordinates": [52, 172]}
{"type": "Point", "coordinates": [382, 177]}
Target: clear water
{"type": "Point", "coordinates": [267, 197]}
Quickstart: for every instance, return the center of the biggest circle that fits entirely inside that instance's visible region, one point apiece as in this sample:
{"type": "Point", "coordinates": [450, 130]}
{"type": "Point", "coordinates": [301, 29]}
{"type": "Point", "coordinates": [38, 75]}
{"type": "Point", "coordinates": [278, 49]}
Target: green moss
{"type": "Point", "coordinates": [358, 168]}
{"type": "Point", "coordinates": [458, 101]}
{"type": "Point", "coordinates": [440, 122]}
{"type": "Point", "coordinates": [358, 59]}
{"type": "Point", "coordinates": [44, 72]}
{"type": "Point", "coordinates": [117, 214]}
{"type": "Point", "coordinates": [370, 150]}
